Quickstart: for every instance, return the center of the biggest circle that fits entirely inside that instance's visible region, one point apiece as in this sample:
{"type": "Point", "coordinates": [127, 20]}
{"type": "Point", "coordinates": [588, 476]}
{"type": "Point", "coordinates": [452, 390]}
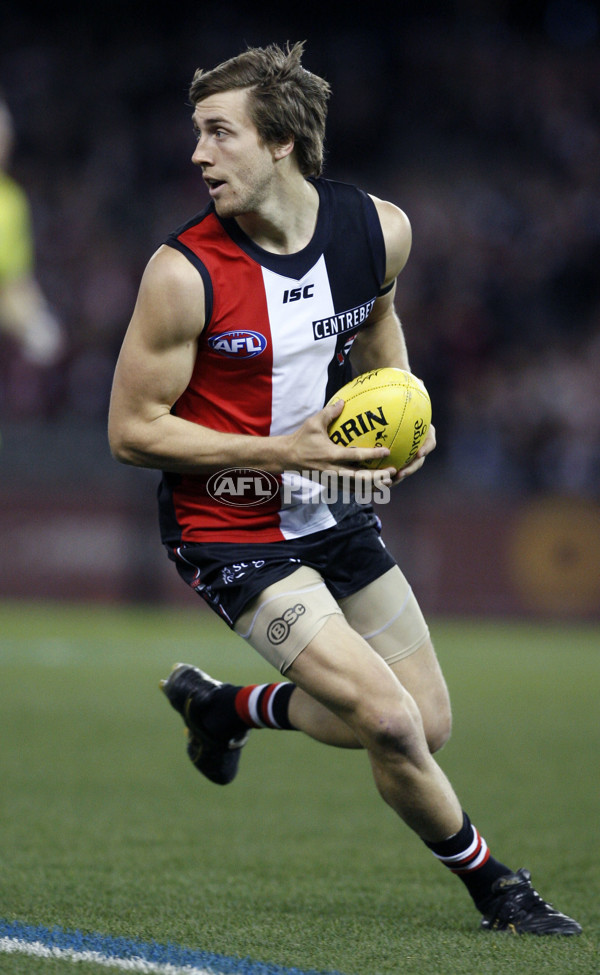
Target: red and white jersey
{"type": "Point", "coordinates": [274, 349]}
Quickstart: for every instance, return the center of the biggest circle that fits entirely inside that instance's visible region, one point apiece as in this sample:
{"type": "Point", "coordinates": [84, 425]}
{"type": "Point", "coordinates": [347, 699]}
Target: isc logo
{"type": "Point", "coordinates": [241, 343]}
{"type": "Point", "coordinates": [295, 294]}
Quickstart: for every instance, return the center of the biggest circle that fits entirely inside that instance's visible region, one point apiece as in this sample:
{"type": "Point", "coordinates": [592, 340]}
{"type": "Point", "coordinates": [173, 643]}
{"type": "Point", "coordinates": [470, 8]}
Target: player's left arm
{"type": "Point", "coordinates": [381, 341]}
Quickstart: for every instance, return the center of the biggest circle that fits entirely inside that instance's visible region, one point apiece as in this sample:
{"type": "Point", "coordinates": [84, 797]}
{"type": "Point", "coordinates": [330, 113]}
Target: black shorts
{"type": "Point", "coordinates": [228, 576]}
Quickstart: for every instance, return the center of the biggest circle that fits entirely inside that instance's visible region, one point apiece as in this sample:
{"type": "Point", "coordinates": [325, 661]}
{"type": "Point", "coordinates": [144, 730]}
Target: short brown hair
{"type": "Point", "coordinates": [285, 99]}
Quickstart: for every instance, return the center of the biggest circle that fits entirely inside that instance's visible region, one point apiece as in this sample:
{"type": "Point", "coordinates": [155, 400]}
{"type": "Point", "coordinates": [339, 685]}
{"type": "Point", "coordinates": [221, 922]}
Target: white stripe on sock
{"type": "Point", "coordinates": [252, 705]}
{"type": "Point", "coordinates": [465, 854]}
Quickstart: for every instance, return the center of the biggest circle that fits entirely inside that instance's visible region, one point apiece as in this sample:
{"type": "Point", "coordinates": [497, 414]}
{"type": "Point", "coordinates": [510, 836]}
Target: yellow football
{"type": "Point", "coordinates": [383, 408]}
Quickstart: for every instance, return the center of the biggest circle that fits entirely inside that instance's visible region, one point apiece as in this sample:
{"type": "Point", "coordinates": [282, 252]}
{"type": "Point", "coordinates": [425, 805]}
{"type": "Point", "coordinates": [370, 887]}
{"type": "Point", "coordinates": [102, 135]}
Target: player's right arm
{"type": "Point", "coordinates": [154, 368]}
{"type": "Point", "coordinates": [155, 365]}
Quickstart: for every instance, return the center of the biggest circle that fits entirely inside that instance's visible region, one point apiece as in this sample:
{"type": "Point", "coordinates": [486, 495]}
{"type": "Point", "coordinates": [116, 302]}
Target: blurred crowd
{"type": "Point", "coordinates": [483, 128]}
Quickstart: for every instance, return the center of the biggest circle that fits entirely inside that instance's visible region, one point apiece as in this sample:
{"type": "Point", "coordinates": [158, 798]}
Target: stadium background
{"type": "Point", "coordinates": [480, 119]}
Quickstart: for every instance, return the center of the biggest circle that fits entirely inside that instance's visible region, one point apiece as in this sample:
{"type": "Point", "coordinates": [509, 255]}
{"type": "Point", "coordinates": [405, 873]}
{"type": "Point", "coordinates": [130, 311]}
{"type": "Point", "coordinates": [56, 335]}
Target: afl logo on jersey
{"type": "Point", "coordinates": [242, 487]}
{"type": "Point", "coordinates": [238, 344]}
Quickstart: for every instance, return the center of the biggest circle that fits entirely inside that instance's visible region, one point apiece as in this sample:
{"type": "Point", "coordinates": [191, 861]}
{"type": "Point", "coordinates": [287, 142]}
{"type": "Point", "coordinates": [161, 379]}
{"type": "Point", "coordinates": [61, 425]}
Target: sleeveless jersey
{"type": "Point", "coordinates": [274, 349]}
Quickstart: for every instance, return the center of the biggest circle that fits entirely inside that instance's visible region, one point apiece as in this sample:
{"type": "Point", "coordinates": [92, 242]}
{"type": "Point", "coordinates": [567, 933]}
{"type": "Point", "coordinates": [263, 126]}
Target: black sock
{"type": "Point", "coordinates": [467, 855]}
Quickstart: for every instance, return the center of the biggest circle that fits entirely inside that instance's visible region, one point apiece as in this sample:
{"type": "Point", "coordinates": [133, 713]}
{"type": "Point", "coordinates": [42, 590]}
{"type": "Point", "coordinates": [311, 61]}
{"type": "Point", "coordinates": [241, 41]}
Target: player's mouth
{"type": "Point", "coordinates": [214, 185]}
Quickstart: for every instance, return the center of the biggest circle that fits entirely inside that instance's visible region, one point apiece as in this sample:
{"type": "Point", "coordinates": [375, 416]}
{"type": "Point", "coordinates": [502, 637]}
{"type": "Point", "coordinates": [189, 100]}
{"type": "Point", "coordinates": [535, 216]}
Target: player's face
{"type": "Point", "coordinates": [236, 166]}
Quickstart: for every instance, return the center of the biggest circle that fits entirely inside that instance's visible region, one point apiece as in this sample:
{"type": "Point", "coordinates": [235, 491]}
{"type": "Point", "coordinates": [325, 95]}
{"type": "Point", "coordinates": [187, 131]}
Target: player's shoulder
{"type": "Point", "coordinates": [397, 234]}
{"type": "Point", "coordinates": [393, 219]}
{"type": "Point", "coordinates": [169, 268]}
{"type": "Point", "coordinates": [171, 294]}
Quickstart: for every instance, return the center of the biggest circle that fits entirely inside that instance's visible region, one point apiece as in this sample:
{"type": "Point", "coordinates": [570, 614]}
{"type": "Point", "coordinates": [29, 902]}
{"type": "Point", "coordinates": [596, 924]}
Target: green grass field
{"type": "Point", "coordinates": [106, 827]}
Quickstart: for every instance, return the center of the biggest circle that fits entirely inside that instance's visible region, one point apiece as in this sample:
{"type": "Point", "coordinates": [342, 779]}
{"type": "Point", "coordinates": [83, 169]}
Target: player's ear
{"type": "Point", "coordinates": [283, 149]}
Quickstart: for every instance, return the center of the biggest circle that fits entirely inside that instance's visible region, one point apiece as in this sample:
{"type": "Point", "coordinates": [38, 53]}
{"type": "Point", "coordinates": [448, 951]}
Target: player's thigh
{"type": "Point", "coordinates": [387, 615]}
{"type": "Point", "coordinates": [298, 617]}
{"type": "Point", "coordinates": [279, 623]}
{"type": "Point", "coordinates": [297, 625]}
{"type": "Point", "coordinates": [286, 615]}
{"type": "Point", "coordinates": [342, 672]}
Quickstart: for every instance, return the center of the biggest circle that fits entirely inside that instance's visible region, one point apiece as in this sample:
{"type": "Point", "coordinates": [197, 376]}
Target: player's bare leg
{"type": "Point", "coordinates": [420, 674]}
{"type": "Point", "coordinates": [363, 695]}
{"type": "Point", "coordinates": [341, 671]}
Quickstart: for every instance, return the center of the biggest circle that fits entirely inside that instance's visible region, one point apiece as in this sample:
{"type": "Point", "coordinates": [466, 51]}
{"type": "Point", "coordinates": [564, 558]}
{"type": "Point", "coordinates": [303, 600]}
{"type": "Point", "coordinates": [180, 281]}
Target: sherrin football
{"type": "Point", "coordinates": [383, 408]}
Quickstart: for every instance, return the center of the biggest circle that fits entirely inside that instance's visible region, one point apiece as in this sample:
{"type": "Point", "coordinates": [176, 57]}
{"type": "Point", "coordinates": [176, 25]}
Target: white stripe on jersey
{"type": "Point", "coordinates": [299, 378]}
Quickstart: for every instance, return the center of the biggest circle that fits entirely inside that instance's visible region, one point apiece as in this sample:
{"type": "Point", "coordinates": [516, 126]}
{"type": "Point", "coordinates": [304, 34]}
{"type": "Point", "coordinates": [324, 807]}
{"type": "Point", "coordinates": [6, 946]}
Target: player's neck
{"type": "Point", "coordinates": [287, 221]}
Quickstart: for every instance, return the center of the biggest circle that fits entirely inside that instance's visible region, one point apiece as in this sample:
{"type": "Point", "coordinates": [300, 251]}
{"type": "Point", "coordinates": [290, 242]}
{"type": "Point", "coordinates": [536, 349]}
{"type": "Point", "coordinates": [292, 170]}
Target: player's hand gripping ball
{"type": "Point", "coordinates": [383, 408]}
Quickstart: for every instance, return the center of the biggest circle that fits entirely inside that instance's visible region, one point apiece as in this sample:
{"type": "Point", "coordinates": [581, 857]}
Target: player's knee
{"type": "Point", "coordinates": [438, 729]}
{"type": "Point", "coordinates": [436, 712]}
{"type": "Point", "coordinates": [396, 733]}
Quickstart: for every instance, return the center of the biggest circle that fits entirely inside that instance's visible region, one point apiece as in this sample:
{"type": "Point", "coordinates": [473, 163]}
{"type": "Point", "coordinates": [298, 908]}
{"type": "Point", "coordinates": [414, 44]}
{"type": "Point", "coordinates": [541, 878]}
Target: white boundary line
{"type": "Point", "coordinates": [40, 950]}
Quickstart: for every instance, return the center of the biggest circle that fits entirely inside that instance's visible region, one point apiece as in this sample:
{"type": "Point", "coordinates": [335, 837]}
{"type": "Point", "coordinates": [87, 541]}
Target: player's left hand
{"type": "Point", "coordinates": [415, 465]}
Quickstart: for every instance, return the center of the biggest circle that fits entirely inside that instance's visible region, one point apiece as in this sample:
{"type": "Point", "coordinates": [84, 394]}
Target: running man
{"type": "Point", "coordinates": [226, 366]}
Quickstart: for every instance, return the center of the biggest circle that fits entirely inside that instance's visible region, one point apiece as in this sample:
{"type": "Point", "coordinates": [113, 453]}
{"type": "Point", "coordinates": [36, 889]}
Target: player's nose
{"type": "Point", "coordinates": [201, 154]}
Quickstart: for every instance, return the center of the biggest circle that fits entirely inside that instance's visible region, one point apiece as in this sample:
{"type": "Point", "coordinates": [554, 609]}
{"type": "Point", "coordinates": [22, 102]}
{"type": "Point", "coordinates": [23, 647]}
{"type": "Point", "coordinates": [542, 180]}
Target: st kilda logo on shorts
{"type": "Point", "coordinates": [279, 628]}
{"type": "Point", "coordinates": [242, 487]}
{"type": "Point", "coordinates": [238, 343]}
